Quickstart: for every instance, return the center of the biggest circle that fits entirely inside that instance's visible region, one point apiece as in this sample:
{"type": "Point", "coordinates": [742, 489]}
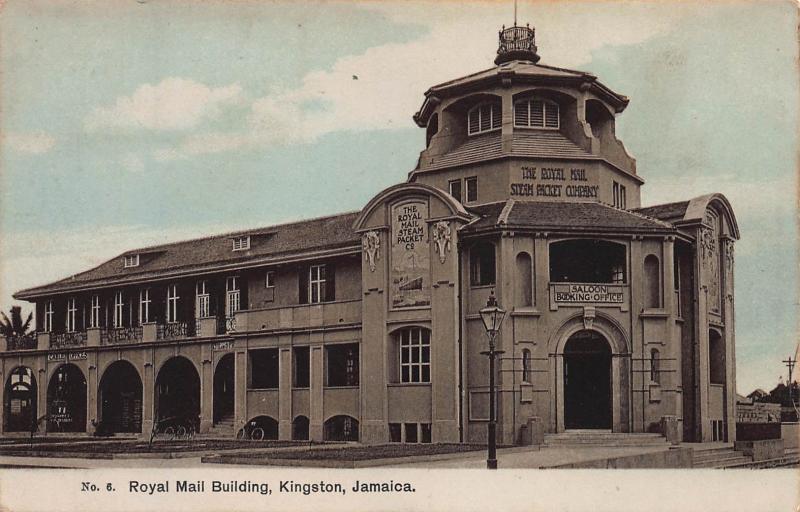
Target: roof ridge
{"type": "Point", "coordinates": [238, 232]}
{"type": "Point", "coordinates": [637, 214]}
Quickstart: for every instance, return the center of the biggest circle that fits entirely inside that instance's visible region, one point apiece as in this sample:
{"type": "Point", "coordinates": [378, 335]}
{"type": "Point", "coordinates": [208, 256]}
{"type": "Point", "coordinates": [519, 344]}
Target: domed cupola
{"type": "Point", "coordinates": [517, 43]}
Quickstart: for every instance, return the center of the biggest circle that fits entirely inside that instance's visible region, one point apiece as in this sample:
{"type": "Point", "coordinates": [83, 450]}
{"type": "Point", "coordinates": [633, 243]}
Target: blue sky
{"type": "Point", "coordinates": [129, 123]}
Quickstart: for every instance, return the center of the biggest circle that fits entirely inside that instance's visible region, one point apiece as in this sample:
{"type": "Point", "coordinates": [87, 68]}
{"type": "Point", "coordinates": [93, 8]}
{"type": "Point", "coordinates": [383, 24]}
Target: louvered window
{"type": "Point", "coordinates": [241, 243]}
{"type": "Point", "coordinates": [484, 118]}
{"type": "Point", "coordinates": [536, 114]}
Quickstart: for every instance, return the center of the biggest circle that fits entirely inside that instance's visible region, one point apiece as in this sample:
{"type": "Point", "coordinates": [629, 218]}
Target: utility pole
{"type": "Point", "coordinates": [790, 364]}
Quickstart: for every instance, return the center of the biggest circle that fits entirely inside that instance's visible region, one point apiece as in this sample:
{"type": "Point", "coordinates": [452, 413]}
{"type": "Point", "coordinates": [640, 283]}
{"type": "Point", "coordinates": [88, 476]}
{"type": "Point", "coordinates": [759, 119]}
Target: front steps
{"type": "Point", "coordinates": [605, 438]}
{"type": "Point", "coordinates": [222, 429]}
{"type": "Point", "coordinates": [718, 458]}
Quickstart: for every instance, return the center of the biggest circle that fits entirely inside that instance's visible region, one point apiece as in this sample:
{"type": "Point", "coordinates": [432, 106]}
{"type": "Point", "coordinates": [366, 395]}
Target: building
{"type": "Point", "coordinates": [365, 326]}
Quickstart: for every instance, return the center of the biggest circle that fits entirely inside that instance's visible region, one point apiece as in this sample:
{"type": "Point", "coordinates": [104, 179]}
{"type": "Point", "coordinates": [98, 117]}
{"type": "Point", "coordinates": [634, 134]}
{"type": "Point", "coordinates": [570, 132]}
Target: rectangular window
{"type": "Point", "coordinates": [269, 280]}
{"type": "Point", "coordinates": [302, 368]}
{"type": "Point", "coordinates": [415, 355]}
{"type": "Point", "coordinates": [144, 305]}
{"type": "Point", "coordinates": [342, 365]}
{"type": "Point", "coordinates": [426, 432]}
{"type": "Point", "coordinates": [454, 187]}
{"type": "Point", "coordinates": [172, 303]}
{"type": "Point", "coordinates": [482, 264]}
{"type": "Point", "coordinates": [119, 310]}
{"type": "Point", "coordinates": [395, 433]}
{"type": "Point", "coordinates": [72, 310]}
{"type": "Point", "coordinates": [316, 284]}
{"type": "Point", "coordinates": [472, 189]}
{"type": "Point", "coordinates": [264, 368]}
{"type": "Point", "coordinates": [94, 312]}
{"type": "Point", "coordinates": [241, 243]}
{"type": "Point", "coordinates": [411, 432]}
{"type": "Point", "coordinates": [203, 301]}
{"type": "Point", "coordinates": [131, 260]}
{"type": "Point", "coordinates": [48, 316]}
{"type": "Point", "coordinates": [233, 300]}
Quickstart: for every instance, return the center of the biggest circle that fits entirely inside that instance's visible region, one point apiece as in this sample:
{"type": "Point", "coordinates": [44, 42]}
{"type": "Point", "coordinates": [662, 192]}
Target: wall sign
{"type": "Point", "coordinates": [588, 293]}
{"type": "Point", "coordinates": [552, 182]}
{"type": "Point", "coordinates": [66, 356]}
{"type": "Point", "coordinates": [222, 345]}
{"type": "Point", "coordinates": [411, 262]}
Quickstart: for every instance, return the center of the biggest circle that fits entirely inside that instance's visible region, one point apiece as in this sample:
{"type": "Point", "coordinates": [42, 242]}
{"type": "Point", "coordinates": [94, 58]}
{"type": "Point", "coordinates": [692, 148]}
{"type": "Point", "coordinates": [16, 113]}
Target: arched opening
{"type": "Point", "coordinates": [66, 400]}
{"type": "Point", "coordinates": [587, 381]}
{"type": "Point", "coordinates": [178, 392]}
{"type": "Point", "coordinates": [587, 261]}
{"type": "Point", "coordinates": [300, 428]}
{"type": "Point", "coordinates": [120, 398]}
{"type": "Point", "coordinates": [268, 424]}
{"type": "Point", "coordinates": [20, 401]}
{"type": "Point", "coordinates": [224, 386]}
{"type": "Point", "coordinates": [341, 428]}
{"type": "Point", "coordinates": [652, 283]}
{"type": "Point", "coordinates": [524, 288]}
{"type": "Point", "coordinates": [432, 129]}
{"type": "Point", "coordinates": [716, 357]}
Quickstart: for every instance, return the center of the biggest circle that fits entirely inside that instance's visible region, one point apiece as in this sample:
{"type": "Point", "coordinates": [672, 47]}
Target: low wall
{"type": "Point", "coordinates": [790, 433]}
{"type": "Point", "coordinates": [760, 450]}
{"type": "Point", "coordinates": [757, 431]}
{"type": "Point", "coordinates": [667, 459]}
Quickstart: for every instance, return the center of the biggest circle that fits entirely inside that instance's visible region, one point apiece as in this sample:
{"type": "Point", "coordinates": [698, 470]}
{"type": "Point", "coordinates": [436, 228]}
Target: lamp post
{"type": "Point", "coordinates": [492, 316]}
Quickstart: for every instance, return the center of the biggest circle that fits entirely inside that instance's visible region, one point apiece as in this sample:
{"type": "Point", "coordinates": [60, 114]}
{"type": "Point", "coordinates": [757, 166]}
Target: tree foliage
{"type": "Point", "coordinates": [13, 326]}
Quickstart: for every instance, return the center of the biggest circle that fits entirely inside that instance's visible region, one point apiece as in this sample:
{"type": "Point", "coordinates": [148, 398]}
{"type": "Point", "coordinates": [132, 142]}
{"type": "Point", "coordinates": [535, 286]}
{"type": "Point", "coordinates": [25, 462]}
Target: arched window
{"type": "Point", "coordinates": [341, 428]}
{"type": "Point", "coordinates": [652, 283]}
{"type": "Point", "coordinates": [432, 129]}
{"type": "Point", "coordinates": [482, 264]}
{"type": "Point", "coordinates": [300, 428]}
{"type": "Point", "coordinates": [530, 113]}
{"type": "Point", "coordinates": [524, 295]}
{"type": "Point", "coordinates": [654, 366]}
{"type": "Point", "coordinates": [526, 365]}
{"type": "Point", "coordinates": [484, 117]}
{"type": "Point", "coordinates": [716, 357]}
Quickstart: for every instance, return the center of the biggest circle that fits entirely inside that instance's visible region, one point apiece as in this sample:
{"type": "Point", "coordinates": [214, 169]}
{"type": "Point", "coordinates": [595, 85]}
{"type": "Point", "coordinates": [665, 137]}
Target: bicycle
{"type": "Point", "coordinates": [250, 431]}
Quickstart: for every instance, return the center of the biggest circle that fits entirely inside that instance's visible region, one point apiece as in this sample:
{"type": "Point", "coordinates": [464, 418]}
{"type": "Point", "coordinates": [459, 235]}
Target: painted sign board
{"type": "Point", "coordinates": [572, 293]}
{"type": "Point", "coordinates": [66, 356]}
{"type": "Point", "coordinates": [410, 254]}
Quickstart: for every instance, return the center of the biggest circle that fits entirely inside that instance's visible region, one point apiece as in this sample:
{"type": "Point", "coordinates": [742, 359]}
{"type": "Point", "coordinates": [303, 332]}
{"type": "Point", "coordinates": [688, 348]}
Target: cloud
{"type": "Point", "coordinates": [391, 78]}
{"type": "Point", "coordinates": [171, 105]}
{"type": "Point", "coordinates": [34, 143]}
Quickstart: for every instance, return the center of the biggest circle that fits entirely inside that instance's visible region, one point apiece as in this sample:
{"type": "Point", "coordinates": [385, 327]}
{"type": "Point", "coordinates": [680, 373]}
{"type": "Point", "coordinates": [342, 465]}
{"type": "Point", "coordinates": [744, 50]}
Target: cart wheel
{"type": "Point", "coordinates": [257, 434]}
{"type": "Point", "coordinates": [240, 434]}
{"type": "Point", "coordinates": [169, 433]}
{"type": "Point", "coordinates": [181, 432]}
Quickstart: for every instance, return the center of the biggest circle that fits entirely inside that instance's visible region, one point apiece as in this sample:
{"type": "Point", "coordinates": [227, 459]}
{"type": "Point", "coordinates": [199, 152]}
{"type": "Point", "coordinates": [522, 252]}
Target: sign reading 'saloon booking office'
{"type": "Point", "coordinates": [588, 293]}
{"type": "Point", "coordinates": [411, 261]}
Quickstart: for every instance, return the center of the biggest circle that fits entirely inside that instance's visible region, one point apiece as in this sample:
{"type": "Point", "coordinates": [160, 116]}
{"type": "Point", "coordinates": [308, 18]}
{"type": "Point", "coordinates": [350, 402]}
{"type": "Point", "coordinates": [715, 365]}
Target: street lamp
{"type": "Point", "coordinates": [492, 316]}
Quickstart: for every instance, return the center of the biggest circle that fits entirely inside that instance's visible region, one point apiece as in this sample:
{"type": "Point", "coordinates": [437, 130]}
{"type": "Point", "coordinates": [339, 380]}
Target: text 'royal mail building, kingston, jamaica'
{"type": "Point", "coordinates": [364, 326]}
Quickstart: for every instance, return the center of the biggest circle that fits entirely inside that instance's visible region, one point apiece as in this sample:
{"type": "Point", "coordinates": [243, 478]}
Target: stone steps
{"type": "Point", "coordinates": [719, 458]}
{"type": "Point", "coordinates": [603, 438]}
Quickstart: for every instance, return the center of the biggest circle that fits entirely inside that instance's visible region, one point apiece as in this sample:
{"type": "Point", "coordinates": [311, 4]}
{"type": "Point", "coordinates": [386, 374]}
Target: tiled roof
{"type": "Point", "coordinates": [667, 211]}
{"type": "Point", "coordinates": [535, 143]}
{"type": "Point", "coordinates": [516, 66]}
{"type": "Point", "coordinates": [215, 251]}
{"type": "Point", "coordinates": [588, 216]}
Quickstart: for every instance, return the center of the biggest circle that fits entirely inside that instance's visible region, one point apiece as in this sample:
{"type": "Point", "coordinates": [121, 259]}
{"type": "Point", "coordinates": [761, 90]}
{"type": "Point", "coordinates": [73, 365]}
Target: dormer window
{"type": "Point", "coordinates": [531, 113]}
{"type": "Point", "coordinates": [131, 260]}
{"type": "Point", "coordinates": [483, 118]}
{"type": "Point", "coordinates": [241, 243]}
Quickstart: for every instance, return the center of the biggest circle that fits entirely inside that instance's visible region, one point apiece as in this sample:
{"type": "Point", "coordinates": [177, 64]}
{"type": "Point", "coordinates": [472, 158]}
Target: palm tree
{"type": "Point", "coordinates": [14, 327]}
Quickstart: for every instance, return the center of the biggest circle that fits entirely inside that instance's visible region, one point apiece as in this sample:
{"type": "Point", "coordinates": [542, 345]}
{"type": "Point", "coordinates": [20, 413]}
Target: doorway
{"type": "Point", "coordinates": [120, 398]}
{"type": "Point", "coordinates": [224, 385]}
{"type": "Point", "coordinates": [587, 381]}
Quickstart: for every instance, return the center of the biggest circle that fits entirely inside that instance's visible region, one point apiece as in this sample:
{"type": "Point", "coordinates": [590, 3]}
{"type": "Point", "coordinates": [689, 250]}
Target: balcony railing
{"type": "Point", "coordinates": [68, 339]}
{"type": "Point", "coordinates": [25, 342]}
{"type": "Point", "coordinates": [175, 330]}
{"type": "Point", "coordinates": [121, 335]}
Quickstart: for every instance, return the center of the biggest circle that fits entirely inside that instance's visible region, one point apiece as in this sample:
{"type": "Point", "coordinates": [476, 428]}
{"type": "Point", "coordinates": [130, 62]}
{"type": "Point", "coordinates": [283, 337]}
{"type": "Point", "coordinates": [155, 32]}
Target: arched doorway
{"type": "Point", "coordinates": [224, 386]}
{"type": "Point", "coordinates": [120, 398]}
{"type": "Point", "coordinates": [587, 381]}
{"type": "Point", "coordinates": [178, 392]}
{"type": "Point", "coordinates": [20, 401]}
{"type": "Point", "coordinates": [66, 400]}
{"type": "Point", "coordinates": [341, 428]}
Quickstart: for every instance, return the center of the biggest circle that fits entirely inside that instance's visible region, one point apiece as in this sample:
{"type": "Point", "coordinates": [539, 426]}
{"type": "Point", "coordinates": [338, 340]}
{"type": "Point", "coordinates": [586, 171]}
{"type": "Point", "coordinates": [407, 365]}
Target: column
{"type": "Point", "coordinates": [240, 385]}
{"type": "Point", "coordinates": [316, 412]}
{"type": "Point", "coordinates": [148, 393]}
{"type": "Point", "coordinates": [91, 392]}
{"type": "Point", "coordinates": [285, 393]}
{"type": "Point", "coordinates": [639, 380]}
{"type": "Point", "coordinates": [206, 388]}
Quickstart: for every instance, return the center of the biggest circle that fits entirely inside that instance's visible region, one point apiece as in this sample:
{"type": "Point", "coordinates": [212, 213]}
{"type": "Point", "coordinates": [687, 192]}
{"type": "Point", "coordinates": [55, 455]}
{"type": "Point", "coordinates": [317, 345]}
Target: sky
{"type": "Point", "coordinates": [133, 122]}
